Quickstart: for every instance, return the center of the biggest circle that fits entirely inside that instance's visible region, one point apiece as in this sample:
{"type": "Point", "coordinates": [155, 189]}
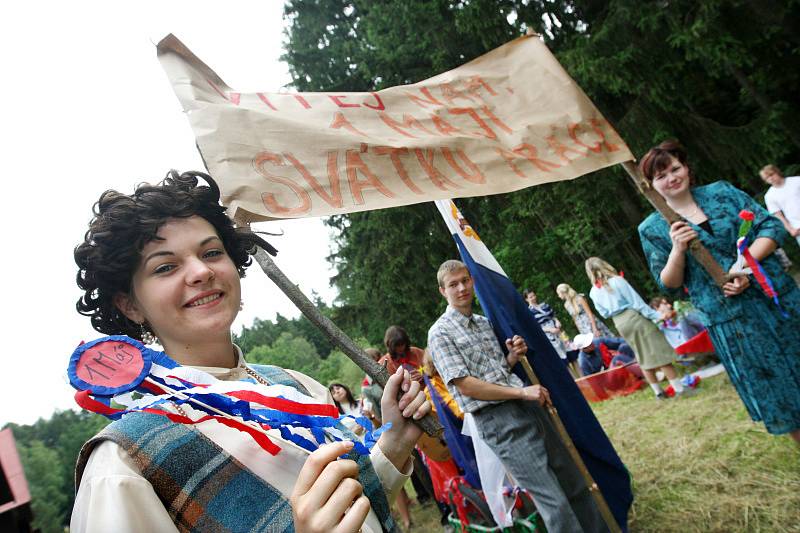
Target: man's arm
{"type": "Point", "coordinates": [794, 232]}
{"type": "Point", "coordinates": [612, 343]}
{"type": "Point", "coordinates": [483, 390]}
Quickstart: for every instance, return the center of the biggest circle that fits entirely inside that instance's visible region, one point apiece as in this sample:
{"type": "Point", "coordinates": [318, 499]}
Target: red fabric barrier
{"type": "Point", "coordinates": [700, 343]}
{"type": "Point", "coordinates": [617, 381]}
{"type": "Point", "coordinates": [441, 472]}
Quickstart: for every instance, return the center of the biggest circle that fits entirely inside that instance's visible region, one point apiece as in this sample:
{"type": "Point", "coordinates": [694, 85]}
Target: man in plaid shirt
{"type": "Point", "coordinates": [508, 415]}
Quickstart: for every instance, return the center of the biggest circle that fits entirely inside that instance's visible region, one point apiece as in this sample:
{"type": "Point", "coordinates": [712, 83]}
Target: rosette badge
{"type": "Point", "coordinates": [109, 365]}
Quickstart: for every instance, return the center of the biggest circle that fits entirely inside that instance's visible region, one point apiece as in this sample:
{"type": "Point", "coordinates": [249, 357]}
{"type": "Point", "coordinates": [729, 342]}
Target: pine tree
{"type": "Point", "coordinates": [720, 75]}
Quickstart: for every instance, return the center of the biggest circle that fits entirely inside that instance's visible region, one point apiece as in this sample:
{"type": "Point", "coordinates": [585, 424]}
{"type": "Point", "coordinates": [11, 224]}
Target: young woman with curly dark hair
{"type": "Point", "coordinates": [165, 263]}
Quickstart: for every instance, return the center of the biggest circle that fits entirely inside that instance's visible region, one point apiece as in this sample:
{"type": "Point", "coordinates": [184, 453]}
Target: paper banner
{"type": "Point", "coordinates": [510, 119]}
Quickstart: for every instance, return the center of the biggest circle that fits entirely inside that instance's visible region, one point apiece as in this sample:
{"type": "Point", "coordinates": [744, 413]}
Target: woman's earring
{"type": "Point", "coordinates": [147, 335]}
{"type": "Point", "coordinates": [241, 304]}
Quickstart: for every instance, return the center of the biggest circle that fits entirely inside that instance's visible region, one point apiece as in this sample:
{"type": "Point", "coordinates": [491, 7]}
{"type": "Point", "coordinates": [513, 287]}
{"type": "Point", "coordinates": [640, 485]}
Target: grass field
{"type": "Point", "coordinates": [698, 464]}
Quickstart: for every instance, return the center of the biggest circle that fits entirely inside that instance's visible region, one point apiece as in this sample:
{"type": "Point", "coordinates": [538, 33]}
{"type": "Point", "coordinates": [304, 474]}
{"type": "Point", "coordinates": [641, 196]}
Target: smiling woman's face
{"type": "Point", "coordinates": [338, 393]}
{"type": "Point", "coordinates": [673, 180]}
{"type": "Point", "coordinates": [186, 287]}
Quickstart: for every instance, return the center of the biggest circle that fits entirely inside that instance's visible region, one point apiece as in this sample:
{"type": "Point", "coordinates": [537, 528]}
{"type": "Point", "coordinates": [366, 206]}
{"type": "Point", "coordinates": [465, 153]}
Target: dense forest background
{"type": "Point", "coordinates": [719, 75]}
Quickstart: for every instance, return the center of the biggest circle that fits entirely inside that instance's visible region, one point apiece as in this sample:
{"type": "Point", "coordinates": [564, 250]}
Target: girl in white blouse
{"type": "Point", "coordinates": [165, 263]}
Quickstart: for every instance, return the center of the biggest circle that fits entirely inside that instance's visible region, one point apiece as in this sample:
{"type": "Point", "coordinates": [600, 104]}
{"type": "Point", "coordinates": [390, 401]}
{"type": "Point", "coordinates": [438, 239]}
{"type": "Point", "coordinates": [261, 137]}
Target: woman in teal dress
{"type": "Point", "coordinates": [759, 347]}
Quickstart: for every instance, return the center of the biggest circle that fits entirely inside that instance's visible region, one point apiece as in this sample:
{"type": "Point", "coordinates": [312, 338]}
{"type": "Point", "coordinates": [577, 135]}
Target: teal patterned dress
{"type": "Point", "coordinates": [759, 348]}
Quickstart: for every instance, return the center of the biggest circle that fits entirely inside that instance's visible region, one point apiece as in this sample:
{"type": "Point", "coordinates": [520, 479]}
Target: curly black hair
{"type": "Point", "coordinates": [123, 224]}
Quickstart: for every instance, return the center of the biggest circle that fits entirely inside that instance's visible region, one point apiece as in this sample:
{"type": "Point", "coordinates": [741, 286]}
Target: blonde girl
{"type": "Point", "coordinates": [614, 298]}
{"type": "Point", "coordinates": [582, 315]}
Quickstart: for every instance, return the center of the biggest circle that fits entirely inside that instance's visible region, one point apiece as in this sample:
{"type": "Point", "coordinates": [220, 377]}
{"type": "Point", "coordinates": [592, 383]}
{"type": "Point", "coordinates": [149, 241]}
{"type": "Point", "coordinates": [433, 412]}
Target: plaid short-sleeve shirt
{"type": "Point", "coordinates": [466, 346]}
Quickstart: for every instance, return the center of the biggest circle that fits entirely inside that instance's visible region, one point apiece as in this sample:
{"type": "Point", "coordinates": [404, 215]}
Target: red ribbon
{"type": "Point", "coordinates": [84, 400]}
{"type": "Point", "coordinates": [279, 404]}
{"type": "Point", "coordinates": [257, 436]}
{"type": "Point", "coordinates": [287, 406]}
{"type": "Point", "coordinates": [758, 273]}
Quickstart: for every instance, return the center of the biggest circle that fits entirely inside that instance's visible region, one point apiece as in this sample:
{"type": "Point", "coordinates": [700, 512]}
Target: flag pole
{"type": "Point", "coordinates": [557, 424]}
{"type": "Point", "coordinates": [377, 372]}
{"type": "Point", "coordinates": [594, 490]}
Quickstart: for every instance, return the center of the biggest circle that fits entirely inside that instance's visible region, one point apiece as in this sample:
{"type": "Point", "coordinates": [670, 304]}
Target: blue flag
{"type": "Point", "coordinates": [509, 315]}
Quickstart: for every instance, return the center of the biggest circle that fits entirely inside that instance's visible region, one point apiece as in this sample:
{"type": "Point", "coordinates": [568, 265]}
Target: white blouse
{"type": "Point", "coordinates": [618, 297]}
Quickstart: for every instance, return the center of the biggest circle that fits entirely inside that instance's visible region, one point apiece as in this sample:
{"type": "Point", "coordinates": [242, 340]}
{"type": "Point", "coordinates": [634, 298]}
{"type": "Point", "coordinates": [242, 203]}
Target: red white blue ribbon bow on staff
{"type": "Point", "coordinates": [742, 246]}
{"type": "Point", "coordinates": [117, 375]}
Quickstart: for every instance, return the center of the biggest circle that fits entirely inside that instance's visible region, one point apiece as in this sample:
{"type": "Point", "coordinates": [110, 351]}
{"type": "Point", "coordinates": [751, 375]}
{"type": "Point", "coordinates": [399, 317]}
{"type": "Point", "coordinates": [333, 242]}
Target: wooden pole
{"type": "Point", "coordinates": [594, 490]}
{"type": "Point", "coordinates": [377, 372]}
{"type": "Point", "coordinates": [696, 248]}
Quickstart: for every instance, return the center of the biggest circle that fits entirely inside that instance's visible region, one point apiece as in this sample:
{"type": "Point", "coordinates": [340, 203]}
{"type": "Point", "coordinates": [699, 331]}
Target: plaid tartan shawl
{"type": "Point", "coordinates": [206, 489]}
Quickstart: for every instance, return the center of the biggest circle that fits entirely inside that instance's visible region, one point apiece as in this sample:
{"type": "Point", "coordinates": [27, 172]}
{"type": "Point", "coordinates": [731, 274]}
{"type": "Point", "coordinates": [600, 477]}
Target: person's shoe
{"type": "Point", "coordinates": [661, 396]}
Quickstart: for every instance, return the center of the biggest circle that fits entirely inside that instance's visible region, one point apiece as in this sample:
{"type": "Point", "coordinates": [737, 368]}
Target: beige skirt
{"type": "Point", "coordinates": [651, 347]}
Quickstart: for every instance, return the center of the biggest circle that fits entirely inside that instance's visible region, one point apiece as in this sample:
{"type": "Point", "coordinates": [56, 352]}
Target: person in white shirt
{"type": "Point", "coordinates": [783, 198]}
{"type": "Point", "coordinates": [347, 405]}
{"type": "Point", "coordinates": [165, 263]}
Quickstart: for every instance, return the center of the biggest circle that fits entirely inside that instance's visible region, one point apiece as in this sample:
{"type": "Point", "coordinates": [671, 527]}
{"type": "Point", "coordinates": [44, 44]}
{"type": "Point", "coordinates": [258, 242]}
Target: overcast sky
{"type": "Point", "coordinates": [86, 107]}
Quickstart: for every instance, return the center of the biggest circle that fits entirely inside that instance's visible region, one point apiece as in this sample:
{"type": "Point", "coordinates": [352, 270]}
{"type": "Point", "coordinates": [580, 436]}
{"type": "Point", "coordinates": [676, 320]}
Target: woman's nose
{"type": "Point", "coordinates": [198, 272]}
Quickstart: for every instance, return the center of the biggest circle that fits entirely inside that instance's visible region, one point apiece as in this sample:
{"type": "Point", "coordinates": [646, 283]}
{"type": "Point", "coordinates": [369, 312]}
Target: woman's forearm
{"type": "Point", "coordinates": [672, 274]}
{"type": "Point", "coordinates": [762, 247]}
{"type": "Point", "coordinates": [785, 221]}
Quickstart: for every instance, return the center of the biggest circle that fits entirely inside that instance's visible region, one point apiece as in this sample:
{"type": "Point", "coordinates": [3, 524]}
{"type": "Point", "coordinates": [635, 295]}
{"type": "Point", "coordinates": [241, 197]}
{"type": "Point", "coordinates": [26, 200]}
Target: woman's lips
{"type": "Point", "coordinates": [204, 300]}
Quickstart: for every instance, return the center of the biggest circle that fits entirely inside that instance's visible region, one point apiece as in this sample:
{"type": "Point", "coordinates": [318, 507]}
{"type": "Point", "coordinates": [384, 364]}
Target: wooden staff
{"type": "Point", "coordinates": [696, 248]}
{"type": "Point", "coordinates": [377, 372]}
{"type": "Point", "coordinates": [594, 490]}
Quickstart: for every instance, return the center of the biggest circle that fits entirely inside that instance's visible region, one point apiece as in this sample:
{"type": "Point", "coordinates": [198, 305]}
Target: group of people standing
{"type": "Point", "coordinates": [165, 263]}
{"type": "Point", "coordinates": [754, 338]}
{"type": "Point", "coordinates": [578, 354]}
{"type": "Point", "coordinates": [613, 297]}
{"type": "Point", "coordinates": [757, 341]}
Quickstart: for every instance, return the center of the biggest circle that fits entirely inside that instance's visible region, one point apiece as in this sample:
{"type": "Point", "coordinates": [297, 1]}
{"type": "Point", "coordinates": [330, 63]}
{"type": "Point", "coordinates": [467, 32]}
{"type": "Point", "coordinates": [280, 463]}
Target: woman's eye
{"type": "Point", "coordinates": [163, 269]}
{"type": "Point", "coordinates": [213, 253]}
